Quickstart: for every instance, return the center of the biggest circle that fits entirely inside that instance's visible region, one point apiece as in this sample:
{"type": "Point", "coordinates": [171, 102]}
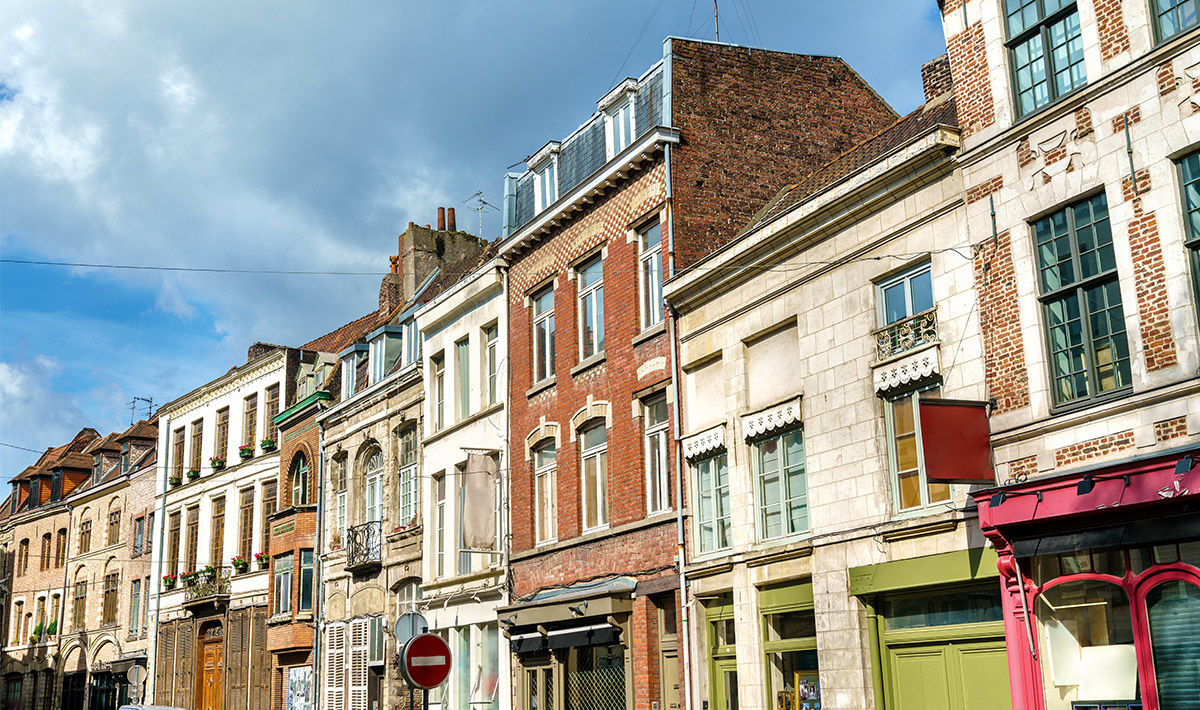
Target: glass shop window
{"type": "Point", "coordinates": [1087, 644]}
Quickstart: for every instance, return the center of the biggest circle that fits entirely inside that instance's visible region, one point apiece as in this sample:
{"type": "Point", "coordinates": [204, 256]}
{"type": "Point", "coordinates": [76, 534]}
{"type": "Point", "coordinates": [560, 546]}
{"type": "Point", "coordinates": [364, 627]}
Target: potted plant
{"type": "Point", "coordinates": [246, 451]}
{"type": "Point", "coordinates": [189, 578]}
{"type": "Point", "coordinates": [209, 573]}
{"type": "Point", "coordinates": [241, 564]}
{"type": "Point", "coordinates": [217, 463]}
{"type": "Point", "coordinates": [169, 581]}
{"type": "Point", "coordinates": [193, 474]}
{"type": "Point", "coordinates": [174, 480]}
{"type": "Point", "coordinates": [52, 628]}
{"type": "Point", "coordinates": [267, 444]}
{"type": "Point", "coordinates": [262, 558]}
{"type": "Point", "coordinates": [36, 635]}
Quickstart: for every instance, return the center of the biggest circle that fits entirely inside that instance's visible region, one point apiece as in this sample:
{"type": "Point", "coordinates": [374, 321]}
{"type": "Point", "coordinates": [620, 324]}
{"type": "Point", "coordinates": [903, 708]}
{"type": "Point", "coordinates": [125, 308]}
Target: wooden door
{"type": "Point", "coordinates": [724, 682]}
{"type": "Point", "coordinates": [949, 675]}
{"type": "Point", "coordinates": [212, 681]}
{"type": "Point", "coordinates": [669, 681]}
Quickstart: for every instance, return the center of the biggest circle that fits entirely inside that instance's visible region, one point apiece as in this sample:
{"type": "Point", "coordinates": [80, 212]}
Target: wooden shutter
{"type": "Point", "coordinates": [164, 681]}
{"type": "Point", "coordinates": [236, 660]}
{"type": "Point", "coordinates": [185, 667]}
{"type": "Point", "coordinates": [260, 660]}
{"type": "Point", "coordinates": [359, 633]}
{"type": "Point", "coordinates": [335, 667]}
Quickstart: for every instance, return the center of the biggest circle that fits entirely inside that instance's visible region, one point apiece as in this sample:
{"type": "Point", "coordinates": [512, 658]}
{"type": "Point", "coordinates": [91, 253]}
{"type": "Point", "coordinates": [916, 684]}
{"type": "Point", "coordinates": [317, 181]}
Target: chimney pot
{"type": "Point", "coordinates": [441, 219]}
{"type": "Point", "coordinates": [450, 220]}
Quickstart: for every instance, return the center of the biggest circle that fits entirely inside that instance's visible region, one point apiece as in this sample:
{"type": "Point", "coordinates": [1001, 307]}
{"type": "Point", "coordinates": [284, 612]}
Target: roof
{"type": "Point", "coordinates": [57, 456]}
{"type": "Point", "coordinates": [898, 133]}
{"type": "Point", "coordinates": [144, 429]}
{"type": "Point", "coordinates": [336, 341]}
{"type": "Point", "coordinates": [104, 443]}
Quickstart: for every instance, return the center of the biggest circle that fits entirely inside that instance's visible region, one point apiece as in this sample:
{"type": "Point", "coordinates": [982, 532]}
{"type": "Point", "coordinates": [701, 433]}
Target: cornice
{"type": "Point", "coordinates": [230, 382]}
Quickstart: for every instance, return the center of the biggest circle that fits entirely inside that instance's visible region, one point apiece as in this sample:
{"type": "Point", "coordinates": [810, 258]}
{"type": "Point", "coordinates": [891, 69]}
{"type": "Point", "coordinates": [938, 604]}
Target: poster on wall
{"type": "Point", "coordinates": [299, 695]}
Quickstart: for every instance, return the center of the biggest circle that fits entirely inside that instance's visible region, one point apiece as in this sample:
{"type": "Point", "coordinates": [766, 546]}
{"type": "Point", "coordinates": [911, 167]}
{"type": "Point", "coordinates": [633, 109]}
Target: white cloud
{"type": "Point", "coordinates": [33, 414]}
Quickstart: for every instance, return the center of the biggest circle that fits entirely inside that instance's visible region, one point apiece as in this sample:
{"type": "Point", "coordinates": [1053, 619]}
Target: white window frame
{"type": "Point", "coordinates": [787, 497]}
{"type": "Point", "coordinates": [906, 279]}
{"type": "Point", "coordinates": [545, 184]}
{"type": "Point", "coordinates": [376, 358]}
{"type": "Point", "coordinates": [650, 273]}
{"type": "Point", "coordinates": [347, 377]}
{"type": "Point", "coordinates": [439, 517]}
{"type": "Point", "coordinates": [412, 342]}
{"type": "Point", "coordinates": [462, 378]}
{"type": "Point", "coordinates": [591, 307]}
{"type": "Point", "coordinates": [545, 527]}
{"type": "Point", "coordinates": [466, 560]}
{"type": "Point", "coordinates": [438, 363]}
{"type": "Point", "coordinates": [410, 491]}
{"type": "Point", "coordinates": [491, 358]}
{"type": "Point", "coordinates": [707, 474]}
{"type": "Point", "coordinates": [543, 335]}
{"type": "Point", "coordinates": [894, 471]}
{"type": "Point", "coordinates": [658, 485]}
{"type": "Point", "coordinates": [598, 454]}
{"type": "Point", "coordinates": [373, 492]}
{"type": "Point", "coordinates": [620, 125]}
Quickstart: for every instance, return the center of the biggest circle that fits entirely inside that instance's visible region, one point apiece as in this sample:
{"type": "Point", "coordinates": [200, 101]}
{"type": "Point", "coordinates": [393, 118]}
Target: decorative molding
{"type": "Point", "coordinates": [708, 440]}
{"type": "Point", "coordinates": [914, 367]}
{"type": "Point", "coordinates": [767, 420]}
{"type": "Point", "coordinates": [537, 159]}
{"type": "Point", "coordinates": [206, 396]}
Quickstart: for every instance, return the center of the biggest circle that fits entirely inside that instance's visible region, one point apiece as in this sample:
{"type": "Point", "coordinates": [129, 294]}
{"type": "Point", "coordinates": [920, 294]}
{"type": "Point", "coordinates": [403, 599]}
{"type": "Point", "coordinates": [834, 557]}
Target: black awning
{"type": "Point", "coordinates": [528, 643]}
{"type": "Point", "coordinates": [1159, 531]}
{"type": "Point", "coordinates": [585, 636]}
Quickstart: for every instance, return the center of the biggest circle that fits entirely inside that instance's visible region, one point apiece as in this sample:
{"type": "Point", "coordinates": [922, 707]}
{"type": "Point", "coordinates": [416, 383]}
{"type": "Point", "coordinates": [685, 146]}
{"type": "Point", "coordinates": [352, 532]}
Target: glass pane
{"type": "Point", "coordinates": [965, 607]}
{"type": "Point", "coordinates": [593, 436]}
{"type": "Point", "coordinates": [894, 306]}
{"type": "Point", "coordinates": [656, 411]}
{"type": "Point", "coordinates": [590, 273]}
{"type": "Point", "coordinates": [922, 292]}
{"type": "Point", "coordinates": [543, 302]}
{"type": "Point", "coordinates": [795, 683]}
{"type": "Point", "coordinates": [1087, 634]}
{"type": "Point", "coordinates": [1174, 615]}
{"type": "Point", "coordinates": [910, 489]}
{"type": "Point", "coordinates": [791, 625]}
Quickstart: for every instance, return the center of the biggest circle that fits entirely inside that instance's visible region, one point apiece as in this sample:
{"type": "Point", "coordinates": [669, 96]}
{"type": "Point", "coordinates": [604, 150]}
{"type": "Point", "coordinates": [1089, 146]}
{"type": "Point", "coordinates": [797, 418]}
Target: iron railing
{"type": "Point", "coordinates": [364, 544]}
{"type": "Point", "coordinates": [907, 334]}
{"type": "Point", "coordinates": [206, 587]}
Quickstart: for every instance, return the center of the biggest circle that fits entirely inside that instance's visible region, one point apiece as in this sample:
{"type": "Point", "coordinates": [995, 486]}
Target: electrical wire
{"type": "Point", "coordinates": [641, 33]}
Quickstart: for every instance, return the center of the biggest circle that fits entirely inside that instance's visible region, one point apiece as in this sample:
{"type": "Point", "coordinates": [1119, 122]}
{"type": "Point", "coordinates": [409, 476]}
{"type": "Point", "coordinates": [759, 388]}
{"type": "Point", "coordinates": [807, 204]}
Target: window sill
{"type": "Point", "coordinates": [653, 331]}
{"type": "Point", "coordinates": [1075, 406]}
{"type": "Point", "coordinates": [541, 386]}
{"type": "Point", "coordinates": [588, 363]}
{"type": "Point", "coordinates": [277, 619]}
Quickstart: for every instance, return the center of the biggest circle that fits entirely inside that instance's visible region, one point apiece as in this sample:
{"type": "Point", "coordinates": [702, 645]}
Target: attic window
{"type": "Point", "coordinates": [619, 126]}
{"type": "Point", "coordinates": [124, 456]}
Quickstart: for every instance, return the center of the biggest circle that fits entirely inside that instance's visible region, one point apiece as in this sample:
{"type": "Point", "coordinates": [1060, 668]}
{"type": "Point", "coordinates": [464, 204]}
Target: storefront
{"type": "Point", "coordinates": [1101, 593]}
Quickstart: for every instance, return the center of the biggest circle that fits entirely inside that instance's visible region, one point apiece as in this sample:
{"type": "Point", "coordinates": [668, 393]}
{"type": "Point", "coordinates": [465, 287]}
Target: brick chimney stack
{"type": "Point", "coordinates": [441, 222]}
{"type": "Point", "coordinates": [450, 225]}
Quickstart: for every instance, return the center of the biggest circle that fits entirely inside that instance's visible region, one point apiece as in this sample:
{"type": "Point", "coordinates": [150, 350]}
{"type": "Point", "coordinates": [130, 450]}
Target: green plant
{"type": "Point", "coordinates": [52, 628]}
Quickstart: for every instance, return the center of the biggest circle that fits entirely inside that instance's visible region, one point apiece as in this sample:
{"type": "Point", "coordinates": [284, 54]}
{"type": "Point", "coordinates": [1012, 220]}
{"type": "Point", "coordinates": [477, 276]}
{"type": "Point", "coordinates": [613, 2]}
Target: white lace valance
{"type": "Point", "coordinates": [918, 366]}
{"type": "Point", "coordinates": [776, 417]}
{"type": "Point", "coordinates": [700, 444]}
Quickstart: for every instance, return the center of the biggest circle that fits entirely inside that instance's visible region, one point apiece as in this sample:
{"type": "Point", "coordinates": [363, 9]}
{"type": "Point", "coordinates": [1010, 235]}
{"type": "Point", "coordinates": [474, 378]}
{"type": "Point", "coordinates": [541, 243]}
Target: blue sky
{"type": "Point", "coordinates": [296, 135]}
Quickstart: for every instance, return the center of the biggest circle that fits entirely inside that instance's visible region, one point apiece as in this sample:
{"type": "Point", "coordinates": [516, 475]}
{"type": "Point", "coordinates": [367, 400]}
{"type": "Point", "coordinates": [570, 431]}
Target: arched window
{"type": "Point", "coordinates": [300, 480]}
{"type": "Point", "coordinates": [374, 479]}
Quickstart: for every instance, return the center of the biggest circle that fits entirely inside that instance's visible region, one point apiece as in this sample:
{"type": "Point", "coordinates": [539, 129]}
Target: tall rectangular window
{"type": "Point", "coordinates": [249, 420]}
{"type": "Point", "coordinates": [60, 547]}
{"type": "Point", "coordinates": [462, 378]}
{"type": "Point", "coordinates": [911, 490]}
{"type": "Point", "coordinates": [270, 411]}
{"type": "Point", "coordinates": [283, 584]}
{"type": "Point", "coordinates": [1174, 16]}
{"type": "Point", "coordinates": [1081, 302]}
{"type": "Point", "coordinates": [111, 589]}
{"type": "Point", "coordinates": [412, 342]}
{"type": "Point", "coordinates": [216, 545]}
{"type": "Point", "coordinates": [594, 452]}
{"type": "Point", "coordinates": [543, 334]}
{"type": "Point", "coordinates": [339, 487]}
{"type": "Point", "coordinates": [438, 362]}
{"type": "Point", "coordinates": [114, 527]}
{"type": "Point", "coordinates": [658, 490]}
{"type": "Point", "coordinates": [85, 537]}
{"type": "Point", "coordinates": [905, 295]}
{"type": "Point", "coordinates": [1189, 177]}
{"type": "Point", "coordinates": [193, 537]}
{"type": "Point", "coordinates": [246, 523]}
{"type": "Point", "coordinates": [464, 557]}
{"type": "Point", "coordinates": [149, 540]}
{"type": "Point", "coordinates": [712, 503]}
{"type": "Point", "coordinates": [46, 559]}
{"type": "Point", "coordinates": [545, 514]}
{"type": "Point", "coordinates": [145, 604]}
{"type": "Point", "coordinates": [139, 535]}
{"type": "Point", "coordinates": [221, 440]}
{"type": "Point", "coordinates": [79, 605]}
{"type": "Point", "coordinates": [782, 488]}
{"type": "Point", "coordinates": [269, 503]}
{"type": "Point", "coordinates": [125, 460]}
{"type": "Point", "coordinates": [650, 274]}
{"type": "Point", "coordinates": [197, 443]}
{"type": "Point", "coordinates": [619, 121]}
{"type": "Point", "coordinates": [306, 580]}
{"type": "Point", "coordinates": [1045, 51]}
{"type": "Point", "coordinates": [591, 308]}
{"type": "Point", "coordinates": [409, 483]}
{"type": "Point", "coordinates": [56, 479]}
{"type": "Point", "coordinates": [135, 605]}
{"type": "Point", "coordinates": [440, 518]}
{"type": "Point", "coordinates": [23, 556]}
{"type": "Point", "coordinates": [491, 340]}
{"type": "Point", "coordinates": [545, 186]}
{"type": "Point", "coordinates": [375, 358]}
{"type": "Point", "coordinates": [177, 452]}
{"type": "Point", "coordinates": [173, 527]}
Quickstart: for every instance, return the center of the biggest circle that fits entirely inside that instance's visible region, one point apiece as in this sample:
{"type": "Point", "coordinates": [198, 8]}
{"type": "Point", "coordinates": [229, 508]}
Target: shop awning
{"type": "Point", "coordinates": [613, 595]}
{"type": "Point", "coordinates": [1156, 531]}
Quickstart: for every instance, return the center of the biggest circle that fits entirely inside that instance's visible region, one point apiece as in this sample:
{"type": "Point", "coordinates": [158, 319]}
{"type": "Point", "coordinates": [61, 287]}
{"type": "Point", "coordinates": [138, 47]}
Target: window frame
{"type": "Point", "coordinates": [1040, 28]}
{"type": "Point", "coordinates": [197, 443]}
{"type": "Point", "coordinates": [706, 469]}
{"type": "Point", "coordinates": [250, 420]}
{"type": "Point", "coordinates": [409, 481]}
{"type": "Point", "coordinates": [907, 277]}
{"type": "Point", "coordinates": [438, 385]}
{"type": "Point", "coordinates": [545, 180]}
{"type": "Point", "coordinates": [281, 583]}
{"type": "Point", "coordinates": [786, 496]}
{"type": "Point", "coordinates": [306, 571]}
{"type": "Point", "coordinates": [543, 346]}
{"type": "Point", "coordinates": [622, 115]}
{"type": "Point", "coordinates": [135, 599]}
{"type": "Point", "coordinates": [1191, 225]}
{"type": "Point", "coordinates": [113, 534]}
{"type": "Point", "coordinates": [491, 363]}
{"type": "Point", "coordinates": [462, 378]}
{"type": "Point", "coordinates": [112, 588]}
{"type": "Point", "coordinates": [545, 506]}
{"type": "Point", "coordinates": [893, 455]}
{"type": "Point", "coordinates": [599, 454]}
{"type": "Point", "coordinates": [590, 306]}
{"type": "Point", "coordinates": [1156, 20]}
{"type": "Point", "coordinates": [651, 309]}
{"type": "Point", "coordinates": [139, 534]}
{"type": "Point", "coordinates": [439, 517]}
{"type": "Point", "coordinates": [302, 487]}
{"type": "Point", "coordinates": [660, 432]}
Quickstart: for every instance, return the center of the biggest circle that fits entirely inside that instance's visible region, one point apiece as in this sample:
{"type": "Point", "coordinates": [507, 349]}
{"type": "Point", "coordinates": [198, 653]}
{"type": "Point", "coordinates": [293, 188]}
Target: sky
{"type": "Point", "coordinates": [297, 135]}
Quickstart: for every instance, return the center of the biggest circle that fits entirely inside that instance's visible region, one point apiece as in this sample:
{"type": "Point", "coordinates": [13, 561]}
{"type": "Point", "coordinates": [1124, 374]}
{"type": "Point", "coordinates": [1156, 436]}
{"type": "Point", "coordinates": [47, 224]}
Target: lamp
{"type": "Point", "coordinates": [1086, 484]}
{"type": "Point", "coordinates": [1184, 465]}
{"type": "Point", "coordinates": [579, 610]}
{"type": "Point", "coordinates": [510, 621]}
{"type": "Point", "coordinates": [997, 499]}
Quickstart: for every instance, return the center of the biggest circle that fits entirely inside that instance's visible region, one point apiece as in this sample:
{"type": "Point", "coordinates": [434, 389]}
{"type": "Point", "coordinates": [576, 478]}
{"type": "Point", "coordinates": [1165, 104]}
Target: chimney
{"type": "Point", "coordinates": [450, 220]}
{"type": "Point", "coordinates": [441, 219]}
{"type": "Point", "coordinates": [935, 76]}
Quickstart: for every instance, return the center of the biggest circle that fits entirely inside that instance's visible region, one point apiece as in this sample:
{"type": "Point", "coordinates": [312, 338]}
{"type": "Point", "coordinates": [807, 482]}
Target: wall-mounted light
{"type": "Point", "coordinates": [1086, 484]}
{"type": "Point", "coordinates": [579, 610]}
{"type": "Point", "coordinates": [997, 499]}
{"type": "Point", "coordinates": [1184, 465]}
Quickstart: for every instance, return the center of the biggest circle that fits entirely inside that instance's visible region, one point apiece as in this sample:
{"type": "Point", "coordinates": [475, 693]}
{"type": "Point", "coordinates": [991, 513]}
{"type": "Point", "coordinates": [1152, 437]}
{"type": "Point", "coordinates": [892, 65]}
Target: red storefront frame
{"type": "Point", "coordinates": [1014, 515]}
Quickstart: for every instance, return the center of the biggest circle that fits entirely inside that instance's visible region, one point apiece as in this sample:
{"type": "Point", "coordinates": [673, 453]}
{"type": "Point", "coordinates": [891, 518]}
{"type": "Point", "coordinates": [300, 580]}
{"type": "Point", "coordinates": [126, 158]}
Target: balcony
{"type": "Point", "coordinates": [906, 335]}
{"type": "Point", "coordinates": [208, 591]}
{"type": "Point", "coordinates": [364, 547]}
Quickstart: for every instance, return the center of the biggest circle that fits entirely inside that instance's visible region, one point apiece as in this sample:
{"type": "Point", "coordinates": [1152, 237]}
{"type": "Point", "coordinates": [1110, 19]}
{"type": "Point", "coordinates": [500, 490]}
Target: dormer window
{"type": "Point", "coordinates": [376, 360]}
{"type": "Point", "coordinates": [412, 342]}
{"type": "Point", "coordinates": [35, 493]}
{"type": "Point", "coordinates": [619, 126]}
{"type": "Point", "coordinates": [56, 486]}
{"type": "Point", "coordinates": [544, 166]}
{"type": "Point", "coordinates": [384, 350]}
{"type": "Point", "coordinates": [96, 468]}
{"type": "Point", "coordinates": [354, 360]}
{"type": "Point", "coordinates": [124, 456]}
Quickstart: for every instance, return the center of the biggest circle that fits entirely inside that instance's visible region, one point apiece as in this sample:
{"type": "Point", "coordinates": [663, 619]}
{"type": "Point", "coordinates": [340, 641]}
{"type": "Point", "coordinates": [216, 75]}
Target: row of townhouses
{"type": "Point", "coordinates": [766, 398]}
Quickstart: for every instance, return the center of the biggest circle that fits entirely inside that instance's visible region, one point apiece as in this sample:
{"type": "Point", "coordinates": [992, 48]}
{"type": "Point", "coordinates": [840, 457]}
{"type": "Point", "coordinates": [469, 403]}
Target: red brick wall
{"type": "Point", "coordinates": [972, 87]}
{"type": "Point", "coordinates": [1110, 24]}
{"type": "Point", "coordinates": [643, 550]}
{"type": "Point", "coordinates": [1169, 429]}
{"type": "Point", "coordinates": [753, 121]}
{"type": "Point", "coordinates": [936, 78]}
{"type": "Point", "coordinates": [1093, 448]}
{"type": "Point", "coordinates": [981, 191]}
{"type": "Point", "coordinates": [1150, 278]}
{"type": "Point", "coordinates": [1000, 323]}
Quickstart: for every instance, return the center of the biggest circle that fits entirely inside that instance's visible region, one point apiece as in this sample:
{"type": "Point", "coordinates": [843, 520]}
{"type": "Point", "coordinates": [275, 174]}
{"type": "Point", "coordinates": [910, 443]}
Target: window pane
{"type": "Point", "coordinates": [894, 306]}
{"type": "Point", "coordinates": [1174, 615]}
{"type": "Point", "coordinates": [1087, 629]}
{"type": "Point", "coordinates": [791, 625]}
{"type": "Point", "coordinates": [593, 436]}
{"type": "Point", "coordinates": [921, 286]}
{"type": "Point", "coordinates": [966, 607]}
{"type": "Point", "coordinates": [590, 273]}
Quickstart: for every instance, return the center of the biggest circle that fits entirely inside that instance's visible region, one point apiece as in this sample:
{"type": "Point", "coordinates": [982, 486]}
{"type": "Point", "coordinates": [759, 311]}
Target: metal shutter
{"type": "Point", "coordinates": [185, 667]}
{"type": "Point", "coordinates": [235, 659]}
{"type": "Point", "coordinates": [335, 667]}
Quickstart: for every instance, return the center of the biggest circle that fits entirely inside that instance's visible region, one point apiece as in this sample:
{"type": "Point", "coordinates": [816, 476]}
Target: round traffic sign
{"type": "Point", "coordinates": [136, 674]}
{"type": "Point", "coordinates": [425, 661]}
{"type": "Point", "coordinates": [408, 625]}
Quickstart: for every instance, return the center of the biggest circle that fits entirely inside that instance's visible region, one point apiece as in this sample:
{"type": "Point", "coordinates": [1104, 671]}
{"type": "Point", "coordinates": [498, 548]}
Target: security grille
{"type": "Point", "coordinates": [596, 681]}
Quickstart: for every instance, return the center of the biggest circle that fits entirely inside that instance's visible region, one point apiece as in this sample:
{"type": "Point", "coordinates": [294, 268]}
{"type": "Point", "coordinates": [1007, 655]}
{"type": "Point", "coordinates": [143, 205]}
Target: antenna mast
{"type": "Point", "coordinates": [716, 20]}
{"type": "Point", "coordinates": [480, 204]}
{"type": "Point", "coordinates": [133, 404]}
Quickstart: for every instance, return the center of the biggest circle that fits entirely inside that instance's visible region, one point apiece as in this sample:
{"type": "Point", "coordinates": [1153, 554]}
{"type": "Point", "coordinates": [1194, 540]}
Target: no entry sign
{"type": "Point", "coordinates": [425, 661]}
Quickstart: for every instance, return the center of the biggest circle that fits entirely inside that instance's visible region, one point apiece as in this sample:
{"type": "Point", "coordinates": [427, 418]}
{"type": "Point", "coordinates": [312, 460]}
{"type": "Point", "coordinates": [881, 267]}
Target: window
{"type": "Point", "coordinates": [124, 459]}
{"type": "Point", "coordinates": [56, 483]}
{"type": "Point", "coordinates": [46, 559]}
{"type": "Point", "coordinates": [1081, 302]}
{"type": "Point", "coordinates": [60, 547]}
{"type": "Point", "coordinates": [781, 486]}
{"type": "Point", "coordinates": [712, 503]}
{"type": "Point", "coordinates": [348, 377]}
{"type": "Point", "coordinates": [149, 546]}
{"type": "Point", "coordinates": [374, 479]}
{"type": "Point", "coordinates": [193, 537]}
{"type": "Point", "coordinates": [1045, 51]}
{"type": "Point", "coordinates": [12, 682]}
{"type": "Point", "coordinates": [594, 451]}
{"type": "Point", "coordinates": [650, 274]}
{"type": "Point", "coordinates": [440, 516]}
{"type": "Point", "coordinates": [197, 443]}
{"type": "Point", "coordinates": [545, 185]}
{"type": "Point", "coordinates": [221, 443]}
{"type": "Point", "coordinates": [139, 535]}
{"type": "Point", "coordinates": [114, 527]}
{"type": "Point", "coordinates": [375, 640]}
{"type": "Point", "coordinates": [111, 587]}
{"type": "Point", "coordinates": [85, 537]}
{"type": "Point", "coordinates": [410, 490]}
{"type": "Point", "coordinates": [173, 527]}
{"type": "Point", "coordinates": [246, 523]}
{"type": "Point", "coordinates": [591, 308]}
{"type": "Point", "coordinates": [135, 601]}
{"type": "Point", "coordinates": [249, 420]}
{"type": "Point", "coordinates": [23, 558]}
{"type": "Point", "coordinates": [464, 557]}
{"type": "Point", "coordinates": [18, 615]}
{"type": "Point", "coordinates": [55, 605]}
{"type": "Point", "coordinates": [1189, 177]}
{"type": "Point", "coordinates": [216, 540]}
{"type": "Point", "coordinates": [339, 486]}
{"type": "Point", "coordinates": [544, 456]}
{"type": "Point", "coordinates": [619, 122]}
{"type": "Point", "coordinates": [283, 583]}
{"type": "Point", "coordinates": [1174, 16]}
{"type": "Point", "coordinates": [306, 580]}
{"type": "Point", "coordinates": [299, 477]}
{"type": "Point", "coordinates": [491, 339]}
{"type": "Point", "coordinates": [412, 342]}
{"type": "Point", "coordinates": [270, 411]}
{"type": "Point", "coordinates": [145, 604]}
{"type": "Point", "coordinates": [462, 378]}
{"type": "Point", "coordinates": [177, 446]}
{"type": "Point", "coordinates": [905, 460]}
{"type": "Point", "coordinates": [270, 493]}
{"type": "Point", "coordinates": [658, 489]}
{"type": "Point", "coordinates": [543, 335]}
{"type": "Point", "coordinates": [439, 391]}
{"type": "Point", "coordinates": [375, 357]}
{"type": "Point", "coordinates": [905, 295]}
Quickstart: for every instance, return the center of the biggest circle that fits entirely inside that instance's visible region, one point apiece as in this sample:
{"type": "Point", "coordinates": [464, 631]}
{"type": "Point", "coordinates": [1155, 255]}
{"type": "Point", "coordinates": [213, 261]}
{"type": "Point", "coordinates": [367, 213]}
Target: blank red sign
{"type": "Point", "coordinates": [955, 441]}
{"type": "Point", "coordinates": [425, 661]}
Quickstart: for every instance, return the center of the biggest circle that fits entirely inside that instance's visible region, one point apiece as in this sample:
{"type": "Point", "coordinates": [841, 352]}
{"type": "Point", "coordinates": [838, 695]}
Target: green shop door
{"type": "Point", "coordinates": [948, 675]}
{"type": "Point", "coordinates": [724, 685]}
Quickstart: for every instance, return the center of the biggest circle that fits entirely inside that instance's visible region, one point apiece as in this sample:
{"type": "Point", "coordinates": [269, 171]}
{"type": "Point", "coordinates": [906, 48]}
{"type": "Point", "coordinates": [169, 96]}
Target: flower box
{"type": "Point", "coordinates": [217, 463]}
{"type": "Point", "coordinates": [241, 564]}
{"type": "Point", "coordinates": [267, 445]}
{"type": "Point", "coordinates": [169, 581]}
{"type": "Point", "coordinates": [246, 451]}
{"type": "Point", "coordinates": [262, 558]}
{"type": "Point", "coordinates": [174, 480]}
{"type": "Point", "coordinates": [193, 474]}
{"type": "Point", "coordinates": [189, 578]}
{"type": "Point", "coordinates": [209, 573]}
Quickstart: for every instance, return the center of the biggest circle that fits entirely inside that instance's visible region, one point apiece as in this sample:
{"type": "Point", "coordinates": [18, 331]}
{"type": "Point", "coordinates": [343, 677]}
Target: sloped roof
{"type": "Point", "coordinates": [144, 429]}
{"type": "Point", "coordinates": [104, 443]}
{"type": "Point", "coordinates": [56, 456]}
{"type": "Point", "coordinates": [337, 340]}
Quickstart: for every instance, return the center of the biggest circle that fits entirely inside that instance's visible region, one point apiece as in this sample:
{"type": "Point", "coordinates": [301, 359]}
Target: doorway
{"type": "Point", "coordinates": [211, 691]}
{"type": "Point", "coordinates": [725, 684]}
{"type": "Point", "coordinates": [669, 680]}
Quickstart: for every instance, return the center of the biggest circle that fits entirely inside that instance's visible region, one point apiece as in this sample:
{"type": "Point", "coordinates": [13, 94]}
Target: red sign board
{"type": "Point", "coordinates": [425, 661]}
{"type": "Point", "coordinates": [955, 441]}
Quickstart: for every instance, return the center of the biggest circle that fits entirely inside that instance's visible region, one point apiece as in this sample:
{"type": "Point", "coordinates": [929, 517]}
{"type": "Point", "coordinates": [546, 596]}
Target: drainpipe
{"type": "Point", "coordinates": [319, 564]}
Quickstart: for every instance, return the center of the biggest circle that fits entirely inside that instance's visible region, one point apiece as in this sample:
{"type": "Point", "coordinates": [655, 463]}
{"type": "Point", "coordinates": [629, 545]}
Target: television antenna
{"type": "Point", "coordinates": [133, 405]}
{"type": "Point", "coordinates": [480, 204]}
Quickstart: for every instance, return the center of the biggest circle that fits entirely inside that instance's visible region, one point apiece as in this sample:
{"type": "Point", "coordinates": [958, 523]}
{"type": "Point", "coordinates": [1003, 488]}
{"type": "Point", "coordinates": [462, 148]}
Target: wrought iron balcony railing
{"type": "Point", "coordinates": [206, 589]}
{"type": "Point", "coordinates": [907, 334]}
{"type": "Point", "coordinates": [364, 545]}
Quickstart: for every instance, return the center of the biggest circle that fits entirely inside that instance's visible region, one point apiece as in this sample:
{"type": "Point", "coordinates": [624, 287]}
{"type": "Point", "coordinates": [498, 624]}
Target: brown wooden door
{"type": "Point", "coordinates": [212, 682]}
